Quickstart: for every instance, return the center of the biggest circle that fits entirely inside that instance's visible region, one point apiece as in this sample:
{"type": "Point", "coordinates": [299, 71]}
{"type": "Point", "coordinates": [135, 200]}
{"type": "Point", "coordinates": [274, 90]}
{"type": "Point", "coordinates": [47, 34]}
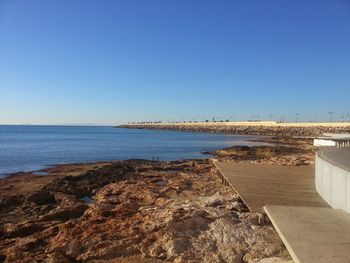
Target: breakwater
{"type": "Point", "coordinates": [268, 128]}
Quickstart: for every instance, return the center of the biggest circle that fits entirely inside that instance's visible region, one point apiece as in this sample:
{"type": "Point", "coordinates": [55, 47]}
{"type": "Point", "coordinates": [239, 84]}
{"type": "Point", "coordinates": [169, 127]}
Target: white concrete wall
{"type": "Point", "coordinates": [333, 184]}
{"type": "Point", "coordinates": [323, 142]}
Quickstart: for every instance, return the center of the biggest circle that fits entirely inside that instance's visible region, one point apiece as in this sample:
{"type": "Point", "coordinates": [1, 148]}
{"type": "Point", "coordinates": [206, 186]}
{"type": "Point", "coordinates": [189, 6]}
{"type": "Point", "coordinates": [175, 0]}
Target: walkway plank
{"type": "Point", "coordinates": [313, 234]}
{"type": "Point", "coordinates": [259, 185]}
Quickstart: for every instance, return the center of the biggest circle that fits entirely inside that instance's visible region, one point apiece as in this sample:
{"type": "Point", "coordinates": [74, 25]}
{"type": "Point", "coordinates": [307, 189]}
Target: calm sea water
{"type": "Point", "coordinates": [29, 148]}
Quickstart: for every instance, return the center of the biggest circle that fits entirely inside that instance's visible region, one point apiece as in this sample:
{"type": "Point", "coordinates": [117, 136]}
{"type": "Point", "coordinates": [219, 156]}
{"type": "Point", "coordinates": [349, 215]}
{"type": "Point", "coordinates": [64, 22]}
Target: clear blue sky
{"type": "Point", "coordinates": [109, 62]}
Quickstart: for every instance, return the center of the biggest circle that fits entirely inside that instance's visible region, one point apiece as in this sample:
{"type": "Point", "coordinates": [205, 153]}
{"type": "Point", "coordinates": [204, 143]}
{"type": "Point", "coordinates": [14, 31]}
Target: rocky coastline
{"type": "Point", "coordinates": [285, 151]}
{"type": "Point", "coordinates": [304, 131]}
{"type": "Point", "coordinates": [141, 211]}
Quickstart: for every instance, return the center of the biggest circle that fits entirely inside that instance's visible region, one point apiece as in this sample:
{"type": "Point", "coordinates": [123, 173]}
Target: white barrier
{"type": "Point", "coordinates": [332, 183]}
{"type": "Point", "coordinates": [323, 142]}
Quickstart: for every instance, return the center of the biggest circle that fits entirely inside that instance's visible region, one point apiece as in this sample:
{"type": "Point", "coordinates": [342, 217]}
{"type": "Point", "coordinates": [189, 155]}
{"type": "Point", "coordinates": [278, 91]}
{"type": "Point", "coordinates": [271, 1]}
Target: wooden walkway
{"type": "Point", "coordinates": [260, 185]}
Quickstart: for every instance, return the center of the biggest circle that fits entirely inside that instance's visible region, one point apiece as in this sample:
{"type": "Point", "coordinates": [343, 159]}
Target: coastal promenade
{"type": "Point", "coordinates": [313, 234]}
{"type": "Point", "coordinates": [309, 228]}
{"type": "Point", "coordinates": [259, 185]}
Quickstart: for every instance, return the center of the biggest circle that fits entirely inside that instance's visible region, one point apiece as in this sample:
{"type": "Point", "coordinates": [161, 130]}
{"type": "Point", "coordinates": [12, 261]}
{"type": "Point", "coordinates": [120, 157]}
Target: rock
{"type": "Point", "coordinates": [41, 198]}
{"type": "Point", "coordinates": [188, 217]}
{"type": "Point", "coordinates": [9, 203]}
{"type": "Point", "coordinates": [244, 129]}
{"type": "Point", "coordinates": [20, 230]}
{"type": "Point", "coordinates": [275, 260]}
{"type": "Point", "coordinates": [58, 258]}
{"type": "Point", "coordinates": [6, 187]}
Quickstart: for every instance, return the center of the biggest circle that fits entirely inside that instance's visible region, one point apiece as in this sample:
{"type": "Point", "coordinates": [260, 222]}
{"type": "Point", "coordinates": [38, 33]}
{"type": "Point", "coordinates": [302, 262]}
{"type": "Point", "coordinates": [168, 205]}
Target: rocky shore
{"type": "Point", "coordinates": [140, 211]}
{"type": "Point", "coordinates": [257, 129]}
{"type": "Point", "coordinates": [285, 151]}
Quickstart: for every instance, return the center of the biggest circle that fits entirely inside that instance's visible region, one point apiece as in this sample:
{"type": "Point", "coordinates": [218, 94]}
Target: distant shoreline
{"type": "Point", "coordinates": [268, 128]}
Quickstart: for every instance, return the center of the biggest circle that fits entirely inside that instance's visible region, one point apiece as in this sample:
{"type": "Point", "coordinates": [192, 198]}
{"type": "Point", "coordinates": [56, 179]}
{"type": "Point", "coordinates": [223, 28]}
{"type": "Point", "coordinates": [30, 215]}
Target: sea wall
{"type": "Point", "coordinates": [248, 129]}
{"type": "Point", "coordinates": [332, 182]}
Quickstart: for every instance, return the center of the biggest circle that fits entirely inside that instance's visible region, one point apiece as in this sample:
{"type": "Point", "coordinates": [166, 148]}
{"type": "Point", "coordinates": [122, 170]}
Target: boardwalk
{"type": "Point", "coordinates": [260, 185]}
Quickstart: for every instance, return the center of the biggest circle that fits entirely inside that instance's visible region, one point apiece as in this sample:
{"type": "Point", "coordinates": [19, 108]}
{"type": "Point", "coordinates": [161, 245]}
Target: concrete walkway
{"type": "Point", "coordinates": [313, 234]}
{"type": "Point", "coordinates": [337, 157]}
{"type": "Point", "coordinates": [260, 185]}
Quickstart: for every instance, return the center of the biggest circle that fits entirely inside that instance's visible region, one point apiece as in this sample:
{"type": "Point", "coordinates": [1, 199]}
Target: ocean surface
{"type": "Point", "coordinates": [30, 148]}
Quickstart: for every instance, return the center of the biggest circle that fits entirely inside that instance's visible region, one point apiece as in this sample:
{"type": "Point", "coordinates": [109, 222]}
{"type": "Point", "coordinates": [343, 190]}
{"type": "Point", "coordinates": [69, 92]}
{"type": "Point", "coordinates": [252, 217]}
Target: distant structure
{"type": "Point", "coordinates": [330, 139]}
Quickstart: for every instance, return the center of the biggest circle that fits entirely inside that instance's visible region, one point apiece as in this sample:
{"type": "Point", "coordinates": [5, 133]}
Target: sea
{"type": "Point", "coordinates": [26, 148]}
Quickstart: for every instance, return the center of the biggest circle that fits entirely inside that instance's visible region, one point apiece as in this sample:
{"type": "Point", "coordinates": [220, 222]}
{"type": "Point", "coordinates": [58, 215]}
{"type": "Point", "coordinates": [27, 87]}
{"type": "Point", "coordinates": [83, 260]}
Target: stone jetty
{"type": "Point", "coordinates": [250, 128]}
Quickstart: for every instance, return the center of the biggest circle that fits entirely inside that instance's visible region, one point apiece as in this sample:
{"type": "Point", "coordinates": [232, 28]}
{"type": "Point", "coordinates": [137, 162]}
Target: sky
{"type": "Point", "coordinates": [111, 62]}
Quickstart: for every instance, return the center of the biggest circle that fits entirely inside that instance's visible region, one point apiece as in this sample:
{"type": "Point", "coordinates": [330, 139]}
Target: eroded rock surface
{"type": "Point", "coordinates": [284, 151]}
{"type": "Point", "coordinates": [141, 211]}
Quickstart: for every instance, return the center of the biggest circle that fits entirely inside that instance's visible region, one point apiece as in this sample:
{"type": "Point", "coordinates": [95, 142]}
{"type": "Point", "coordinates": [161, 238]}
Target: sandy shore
{"type": "Point", "coordinates": [140, 211]}
{"type": "Point", "coordinates": [250, 128]}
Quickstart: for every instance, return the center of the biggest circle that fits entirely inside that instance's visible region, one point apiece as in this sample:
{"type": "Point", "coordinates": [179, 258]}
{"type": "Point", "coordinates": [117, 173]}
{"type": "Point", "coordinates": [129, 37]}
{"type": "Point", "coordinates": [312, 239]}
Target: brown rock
{"type": "Point", "coordinates": [145, 212]}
